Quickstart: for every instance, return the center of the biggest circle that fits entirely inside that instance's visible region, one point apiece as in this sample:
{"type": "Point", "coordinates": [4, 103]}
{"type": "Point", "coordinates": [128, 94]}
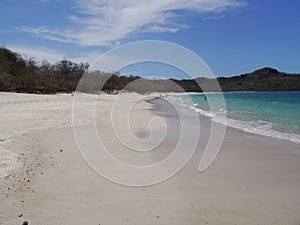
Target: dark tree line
{"type": "Point", "coordinates": [26, 75]}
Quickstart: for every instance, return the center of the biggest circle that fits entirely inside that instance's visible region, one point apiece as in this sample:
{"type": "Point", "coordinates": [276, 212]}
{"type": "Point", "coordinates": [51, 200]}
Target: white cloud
{"type": "Point", "coordinates": [105, 22]}
{"type": "Point", "coordinates": [41, 53]}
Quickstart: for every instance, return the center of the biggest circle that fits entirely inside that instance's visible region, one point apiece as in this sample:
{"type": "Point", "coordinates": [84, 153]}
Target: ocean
{"type": "Point", "coordinates": [275, 114]}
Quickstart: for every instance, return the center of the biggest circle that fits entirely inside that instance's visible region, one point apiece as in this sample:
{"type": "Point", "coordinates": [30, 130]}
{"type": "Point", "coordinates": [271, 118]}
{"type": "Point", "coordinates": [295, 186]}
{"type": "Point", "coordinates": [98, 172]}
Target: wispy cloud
{"type": "Point", "coordinates": [102, 22]}
{"type": "Point", "coordinates": [42, 53]}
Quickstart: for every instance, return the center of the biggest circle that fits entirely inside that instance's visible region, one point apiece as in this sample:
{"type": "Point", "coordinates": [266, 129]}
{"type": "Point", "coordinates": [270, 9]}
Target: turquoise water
{"type": "Point", "coordinates": [269, 113]}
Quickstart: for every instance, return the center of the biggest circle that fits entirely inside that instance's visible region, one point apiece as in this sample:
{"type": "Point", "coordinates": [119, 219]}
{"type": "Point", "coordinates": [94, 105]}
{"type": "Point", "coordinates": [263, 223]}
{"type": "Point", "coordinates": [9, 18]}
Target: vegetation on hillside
{"type": "Point", "coordinates": [26, 75]}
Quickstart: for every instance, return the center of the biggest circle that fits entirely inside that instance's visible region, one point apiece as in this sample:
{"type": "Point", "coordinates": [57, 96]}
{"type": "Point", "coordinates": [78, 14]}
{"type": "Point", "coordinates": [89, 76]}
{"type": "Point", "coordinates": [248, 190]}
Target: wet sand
{"type": "Point", "coordinates": [254, 180]}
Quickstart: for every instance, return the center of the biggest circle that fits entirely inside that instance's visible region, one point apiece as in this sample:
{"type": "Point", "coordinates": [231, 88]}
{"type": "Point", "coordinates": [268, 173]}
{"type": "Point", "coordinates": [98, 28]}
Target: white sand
{"type": "Point", "coordinates": [22, 114]}
{"type": "Point", "coordinates": [255, 179]}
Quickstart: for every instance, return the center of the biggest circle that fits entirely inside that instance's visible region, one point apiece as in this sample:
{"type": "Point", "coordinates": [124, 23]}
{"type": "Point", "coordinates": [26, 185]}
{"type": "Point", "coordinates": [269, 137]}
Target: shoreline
{"type": "Point", "coordinates": [255, 179]}
{"type": "Point", "coordinates": [260, 127]}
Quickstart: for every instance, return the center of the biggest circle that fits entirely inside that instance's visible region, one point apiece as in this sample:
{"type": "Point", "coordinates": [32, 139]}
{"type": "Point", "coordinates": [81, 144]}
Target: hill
{"type": "Point", "coordinates": [266, 79]}
{"type": "Point", "coordinates": [26, 75]}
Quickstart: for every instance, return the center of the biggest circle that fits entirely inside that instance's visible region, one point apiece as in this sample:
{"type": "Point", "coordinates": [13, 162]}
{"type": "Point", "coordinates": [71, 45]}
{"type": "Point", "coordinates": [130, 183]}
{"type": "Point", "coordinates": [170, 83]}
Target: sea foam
{"type": "Point", "coordinates": [259, 127]}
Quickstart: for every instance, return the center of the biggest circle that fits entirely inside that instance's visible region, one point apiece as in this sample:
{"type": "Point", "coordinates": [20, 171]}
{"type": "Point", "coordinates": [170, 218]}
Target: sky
{"type": "Point", "coordinates": [231, 36]}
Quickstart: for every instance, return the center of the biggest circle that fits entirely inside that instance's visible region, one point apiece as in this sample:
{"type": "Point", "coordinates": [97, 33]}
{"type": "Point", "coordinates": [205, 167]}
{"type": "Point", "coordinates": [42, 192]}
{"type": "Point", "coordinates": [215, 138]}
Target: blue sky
{"type": "Point", "coordinates": [231, 36]}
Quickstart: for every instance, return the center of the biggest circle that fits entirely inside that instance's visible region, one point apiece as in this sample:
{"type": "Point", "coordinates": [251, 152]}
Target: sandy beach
{"type": "Point", "coordinates": [45, 180]}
